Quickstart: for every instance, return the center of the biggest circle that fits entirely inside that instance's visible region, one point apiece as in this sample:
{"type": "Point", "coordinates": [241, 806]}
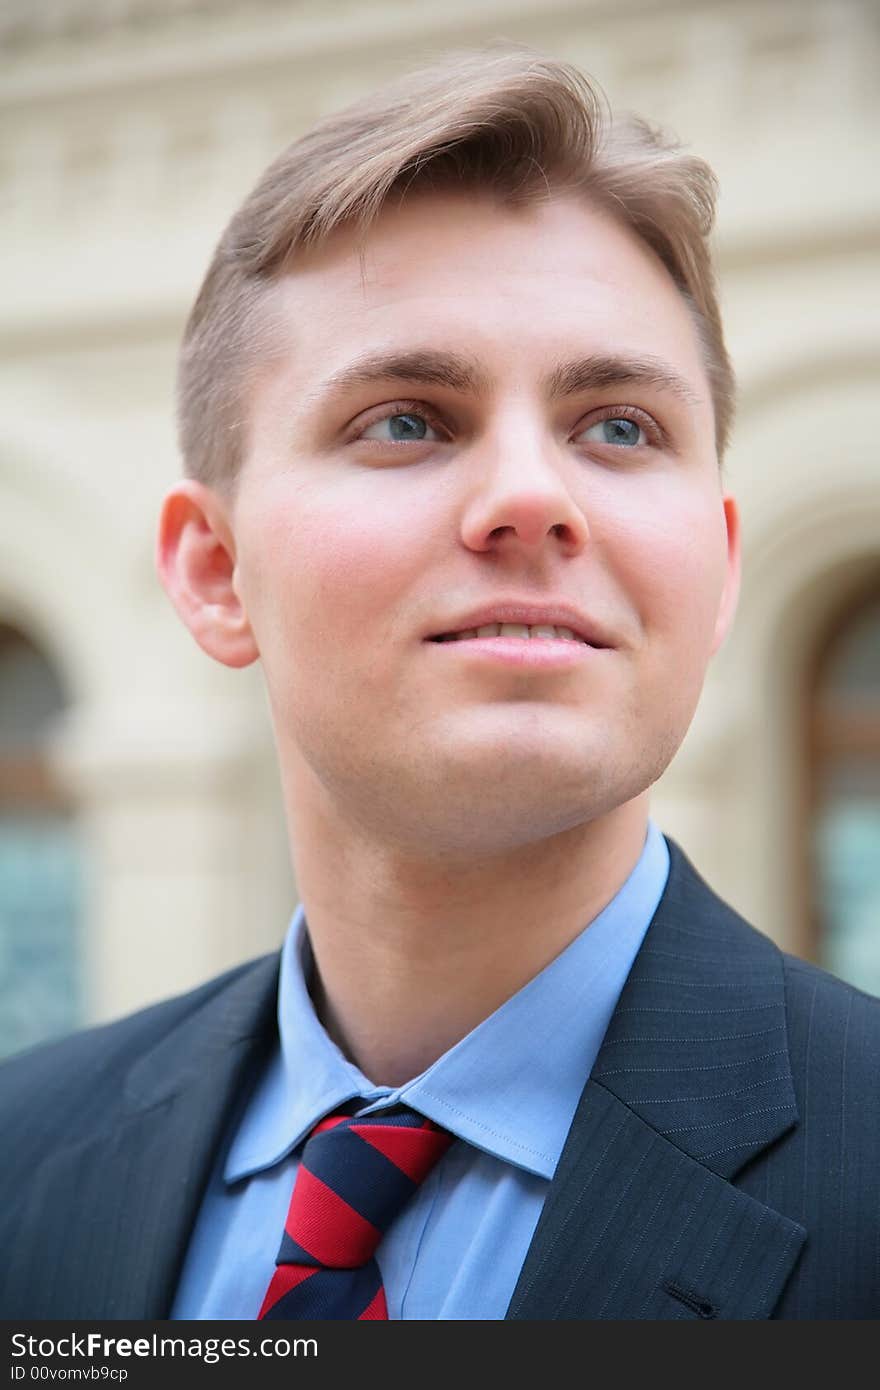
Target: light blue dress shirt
{"type": "Point", "coordinates": [509, 1090]}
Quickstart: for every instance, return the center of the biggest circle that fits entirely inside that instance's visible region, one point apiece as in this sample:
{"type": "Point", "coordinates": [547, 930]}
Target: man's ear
{"type": "Point", "coordinates": [730, 592]}
{"type": "Point", "coordinates": [195, 559]}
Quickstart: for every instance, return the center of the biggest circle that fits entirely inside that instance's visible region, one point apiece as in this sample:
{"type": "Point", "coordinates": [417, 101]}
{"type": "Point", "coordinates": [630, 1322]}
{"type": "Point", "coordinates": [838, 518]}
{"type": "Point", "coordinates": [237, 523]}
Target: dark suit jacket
{"type": "Point", "coordinates": [724, 1160]}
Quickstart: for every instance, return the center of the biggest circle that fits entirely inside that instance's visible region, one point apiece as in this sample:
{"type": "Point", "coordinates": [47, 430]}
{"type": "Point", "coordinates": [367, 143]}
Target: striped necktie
{"type": "Point", "coordinates": [356, 1174]}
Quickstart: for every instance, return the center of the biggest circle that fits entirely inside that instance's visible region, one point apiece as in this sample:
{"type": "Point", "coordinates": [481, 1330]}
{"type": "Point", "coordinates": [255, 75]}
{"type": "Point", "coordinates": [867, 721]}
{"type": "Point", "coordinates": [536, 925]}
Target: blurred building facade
{"type": "Point", "coordinates": [142, 840]}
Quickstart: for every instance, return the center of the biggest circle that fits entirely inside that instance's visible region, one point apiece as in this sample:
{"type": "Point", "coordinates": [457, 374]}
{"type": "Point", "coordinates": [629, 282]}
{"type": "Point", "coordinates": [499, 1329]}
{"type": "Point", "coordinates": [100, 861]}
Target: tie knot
{"type": "Point", "coordinates": [356, 1173]}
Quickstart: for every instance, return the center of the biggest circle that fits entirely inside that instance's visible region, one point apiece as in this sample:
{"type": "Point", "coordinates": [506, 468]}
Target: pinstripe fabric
{"type": "Point", "coordinates": [724, 1160]}
{"type": "Point", "coordinates": [633, 1218]}
{"type": "Point", "coordinates": [827, 1172]}
{"type": "Point", "coordinates": [92, 1122]}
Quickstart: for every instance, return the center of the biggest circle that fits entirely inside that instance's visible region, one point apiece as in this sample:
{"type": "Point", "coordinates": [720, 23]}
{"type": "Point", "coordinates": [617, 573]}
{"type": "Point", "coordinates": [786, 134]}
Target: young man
{"type": "Point", "coordinates": [453, 401]}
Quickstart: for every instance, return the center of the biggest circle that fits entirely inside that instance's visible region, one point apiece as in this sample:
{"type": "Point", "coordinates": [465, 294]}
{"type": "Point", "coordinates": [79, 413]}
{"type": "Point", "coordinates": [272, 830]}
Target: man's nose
{"type": "Point", "coordinates": [521, 496]}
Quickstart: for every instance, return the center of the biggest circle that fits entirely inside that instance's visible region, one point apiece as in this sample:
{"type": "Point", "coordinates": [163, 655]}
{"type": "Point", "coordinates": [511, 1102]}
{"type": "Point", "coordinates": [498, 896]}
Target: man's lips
{"type": "Point", "coordinates": [525, 614]}
{"type": "Point", "coordinates": [519, 653]}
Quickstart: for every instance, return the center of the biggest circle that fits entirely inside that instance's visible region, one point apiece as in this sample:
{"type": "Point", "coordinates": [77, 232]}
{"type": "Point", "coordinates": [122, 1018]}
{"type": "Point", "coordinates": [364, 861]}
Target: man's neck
{"type": "Point", "coordinates": [411, 956]}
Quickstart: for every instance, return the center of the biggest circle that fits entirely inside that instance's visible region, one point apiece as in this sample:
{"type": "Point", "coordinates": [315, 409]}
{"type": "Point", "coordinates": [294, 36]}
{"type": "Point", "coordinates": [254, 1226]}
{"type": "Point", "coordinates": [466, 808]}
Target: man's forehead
{"type": "Point", "coordinates": [357, 311]}
{"type": "Point", "coordinates": [438, 244]}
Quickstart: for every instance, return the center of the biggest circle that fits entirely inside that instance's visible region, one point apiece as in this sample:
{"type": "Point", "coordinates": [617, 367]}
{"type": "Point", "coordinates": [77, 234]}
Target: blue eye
{"type": "Point", "coordinates": [403, 427]}
{"type": "Point", "coordinates": [617, 430]}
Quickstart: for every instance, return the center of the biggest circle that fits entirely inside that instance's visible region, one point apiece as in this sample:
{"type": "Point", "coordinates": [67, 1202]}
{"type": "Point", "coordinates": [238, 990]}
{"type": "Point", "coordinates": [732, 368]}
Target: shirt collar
{"type": "Point", "coordinates": [510, 1087]}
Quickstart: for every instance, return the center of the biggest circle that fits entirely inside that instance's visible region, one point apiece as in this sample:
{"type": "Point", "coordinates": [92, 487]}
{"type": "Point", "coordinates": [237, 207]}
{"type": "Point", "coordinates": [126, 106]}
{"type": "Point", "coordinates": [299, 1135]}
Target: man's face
{"type": "Point", "coordinates": [379, 514]}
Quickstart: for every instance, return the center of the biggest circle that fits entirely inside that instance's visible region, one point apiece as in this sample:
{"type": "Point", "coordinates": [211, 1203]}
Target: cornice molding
{"type": "Point", "coordinates": [57, 50]}
{"type": "Point", "coordinates": [71, 45]}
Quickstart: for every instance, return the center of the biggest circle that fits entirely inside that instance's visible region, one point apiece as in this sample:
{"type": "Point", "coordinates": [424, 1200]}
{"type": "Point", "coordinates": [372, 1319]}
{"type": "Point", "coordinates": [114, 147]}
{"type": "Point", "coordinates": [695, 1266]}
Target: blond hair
{"type": "Point", "coordinates": [503, 120]}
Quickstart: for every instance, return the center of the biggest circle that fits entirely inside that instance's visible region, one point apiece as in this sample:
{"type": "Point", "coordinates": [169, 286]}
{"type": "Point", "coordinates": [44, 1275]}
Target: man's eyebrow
{"type": "Point", "coordinates": [465, 376]}
{"type": "Point", "coordinates": [427, 367]}
{"type": "Point", "coordinates": [597, 372]}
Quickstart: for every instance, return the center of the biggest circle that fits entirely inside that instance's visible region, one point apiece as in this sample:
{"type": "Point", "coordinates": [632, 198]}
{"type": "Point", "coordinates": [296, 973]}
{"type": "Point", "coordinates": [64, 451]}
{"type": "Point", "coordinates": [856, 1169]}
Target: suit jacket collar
{"type": "Point", "coordinates": [692, 1082]}
{"type": "Point", "coordinates": [239, 1018]}
{"type": "Point", "coordinates": [698, 1046]}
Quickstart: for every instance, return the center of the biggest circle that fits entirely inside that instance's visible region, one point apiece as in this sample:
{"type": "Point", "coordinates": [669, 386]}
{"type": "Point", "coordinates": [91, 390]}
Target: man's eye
{"type": "Point", "coordinates": [400, 428]}
{"type": "Point", "coordinates": [617, 429]}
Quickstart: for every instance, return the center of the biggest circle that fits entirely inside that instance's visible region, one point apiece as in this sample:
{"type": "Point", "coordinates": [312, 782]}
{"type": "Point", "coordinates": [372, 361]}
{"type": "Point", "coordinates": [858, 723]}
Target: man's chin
{"type": "Point", "coordinates": [467, 821]}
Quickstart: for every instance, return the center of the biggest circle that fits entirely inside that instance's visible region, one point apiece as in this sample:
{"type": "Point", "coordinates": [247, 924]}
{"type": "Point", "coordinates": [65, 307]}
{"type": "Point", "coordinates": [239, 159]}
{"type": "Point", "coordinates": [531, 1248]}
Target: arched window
{"type": "Point", "coordinates": [39, 861]}
{"type": "Point", "coordinates": [845, 794]}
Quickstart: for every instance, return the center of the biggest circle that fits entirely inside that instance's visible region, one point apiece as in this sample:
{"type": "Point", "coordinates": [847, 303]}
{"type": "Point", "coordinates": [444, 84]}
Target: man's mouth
{"type": "Point", "coordinates": [538, 632]}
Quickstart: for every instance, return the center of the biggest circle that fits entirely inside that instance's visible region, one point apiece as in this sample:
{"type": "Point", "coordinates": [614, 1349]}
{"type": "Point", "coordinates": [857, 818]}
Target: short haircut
{"type": "Point", "coordinates": [501, 120]}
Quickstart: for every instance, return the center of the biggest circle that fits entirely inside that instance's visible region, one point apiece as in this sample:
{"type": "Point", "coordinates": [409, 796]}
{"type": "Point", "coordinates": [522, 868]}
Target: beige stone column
{"type": "Point", "coordinates": [184, 847]}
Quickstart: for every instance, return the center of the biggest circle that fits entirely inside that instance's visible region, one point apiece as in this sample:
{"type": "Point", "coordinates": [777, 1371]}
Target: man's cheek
{"type": "Point", "coordinates": [344, 550]}
{"type": "Point", "coordinates": [680, 568]}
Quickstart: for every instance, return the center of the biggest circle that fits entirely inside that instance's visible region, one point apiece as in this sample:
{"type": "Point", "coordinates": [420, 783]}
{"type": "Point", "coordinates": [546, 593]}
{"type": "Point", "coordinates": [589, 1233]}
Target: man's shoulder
{"type": "Point", "coordinates": [814, 998]}
{"type": "Point", "coordinates": [89, 1067]}
{"type": "Point", "coordinates": [833, 1025]}
{"type": "Point", "coordinates": [808, 984]}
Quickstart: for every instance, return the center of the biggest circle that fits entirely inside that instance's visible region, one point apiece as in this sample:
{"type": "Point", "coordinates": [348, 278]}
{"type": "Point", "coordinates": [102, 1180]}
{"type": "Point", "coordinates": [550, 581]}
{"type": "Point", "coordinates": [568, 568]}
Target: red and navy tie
{"type": "Point", "coordinates": [356, 1174]}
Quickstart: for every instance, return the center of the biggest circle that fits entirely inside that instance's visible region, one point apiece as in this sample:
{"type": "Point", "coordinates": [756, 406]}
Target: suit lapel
{"type": "Point", "coordinates": [125, 1202]}
{"type": "Point", "coordinates": [691, 1083]}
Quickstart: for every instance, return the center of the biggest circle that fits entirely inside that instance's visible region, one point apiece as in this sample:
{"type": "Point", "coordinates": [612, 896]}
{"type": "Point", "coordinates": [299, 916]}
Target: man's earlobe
{"type": "Point", "coordinates": [730, 592]}
{"type": "Point", "coordinates": [195, 560]}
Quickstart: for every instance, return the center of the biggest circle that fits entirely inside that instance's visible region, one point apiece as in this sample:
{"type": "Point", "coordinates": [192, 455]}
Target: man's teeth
{"type": "Point", "coordinates": [514, 630]}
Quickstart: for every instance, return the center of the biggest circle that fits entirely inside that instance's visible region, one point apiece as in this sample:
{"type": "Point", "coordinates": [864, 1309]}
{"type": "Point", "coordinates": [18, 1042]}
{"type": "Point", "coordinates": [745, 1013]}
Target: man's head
{"type": "Point", "coordinates": [503, 119]}
{"type": "Point", "coordinates": [481, 388]}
